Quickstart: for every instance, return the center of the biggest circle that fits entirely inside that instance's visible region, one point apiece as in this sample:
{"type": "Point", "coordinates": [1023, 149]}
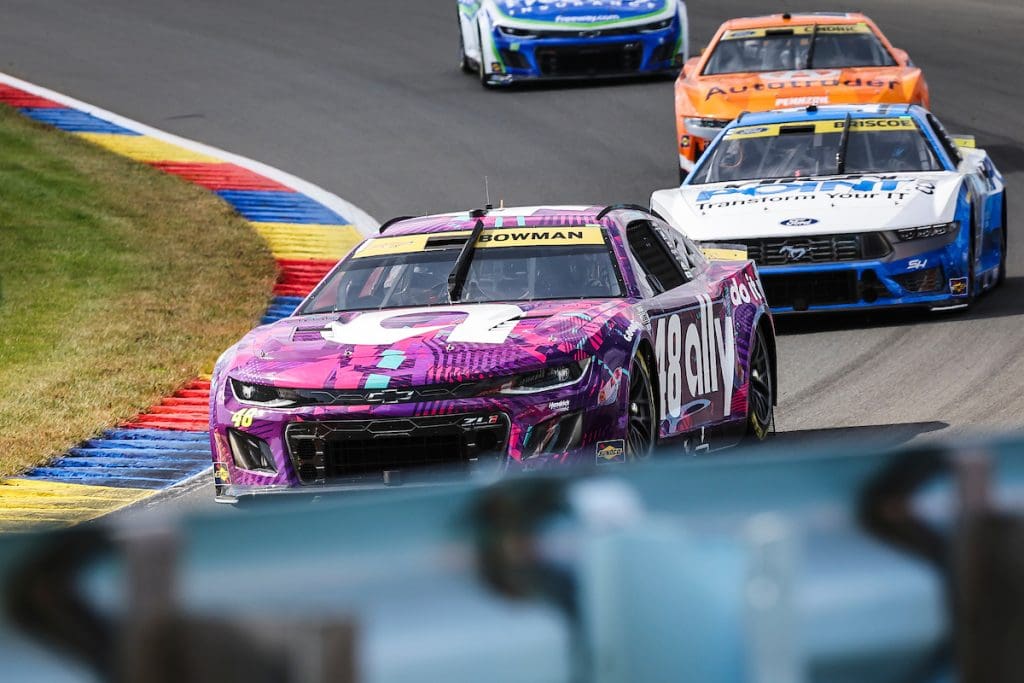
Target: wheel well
{"type": "Point", "coordinates": [769, 338]}
{"type": "Point", "coordinates": [645, 350]}
{"type": "Point", "coordinates": [1005, 217]}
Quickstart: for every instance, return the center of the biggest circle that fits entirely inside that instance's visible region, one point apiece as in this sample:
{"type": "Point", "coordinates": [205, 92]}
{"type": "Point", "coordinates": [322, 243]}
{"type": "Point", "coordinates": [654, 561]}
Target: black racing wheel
{"type": "Point", "coordinates": [761, 395]}
{"type": "Point", "coordinates": [642, 425]}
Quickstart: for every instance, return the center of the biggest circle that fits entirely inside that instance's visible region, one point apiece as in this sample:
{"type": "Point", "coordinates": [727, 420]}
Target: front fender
{"type": "Point", "coordinates": [468, 12]}
{"type": "Point", "coordinates": [483, 38]}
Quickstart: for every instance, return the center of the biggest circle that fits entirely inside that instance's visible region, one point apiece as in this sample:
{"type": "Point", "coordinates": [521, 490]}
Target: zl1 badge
{"type": "Point", "coordinates": [611, 451]}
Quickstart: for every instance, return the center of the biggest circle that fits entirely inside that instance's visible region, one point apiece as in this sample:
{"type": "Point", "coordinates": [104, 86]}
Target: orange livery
{"type": "Point", "coordinates": [788, 60]}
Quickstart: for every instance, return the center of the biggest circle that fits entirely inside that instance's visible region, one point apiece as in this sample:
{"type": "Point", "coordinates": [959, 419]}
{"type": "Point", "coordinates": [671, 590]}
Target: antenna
{"type": "Point", "coordinates": [487, 194]}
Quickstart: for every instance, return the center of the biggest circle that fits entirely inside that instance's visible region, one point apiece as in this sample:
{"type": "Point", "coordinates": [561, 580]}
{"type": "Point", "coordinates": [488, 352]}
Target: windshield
{"type": "Point", "coordinates": [549, 269]}
{"type": "Point", "coordinates": [788, 49]}
{"type": "Point", "coordinates": [794, 150]}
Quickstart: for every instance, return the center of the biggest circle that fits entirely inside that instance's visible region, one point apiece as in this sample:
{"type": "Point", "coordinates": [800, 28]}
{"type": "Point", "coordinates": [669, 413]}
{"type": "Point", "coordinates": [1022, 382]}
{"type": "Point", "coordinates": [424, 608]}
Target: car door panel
{"type": "Point", "coordinates": [984, 192]}
{"type": "Point", "coordinates": [695, 351]}
{"type": "Point", "coordinates": [694, 337]}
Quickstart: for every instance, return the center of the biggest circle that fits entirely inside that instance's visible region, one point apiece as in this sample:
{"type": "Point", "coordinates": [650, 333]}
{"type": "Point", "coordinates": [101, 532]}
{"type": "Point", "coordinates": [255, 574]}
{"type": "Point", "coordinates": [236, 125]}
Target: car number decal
{"type": "Point", "coordinates": [483, 324]}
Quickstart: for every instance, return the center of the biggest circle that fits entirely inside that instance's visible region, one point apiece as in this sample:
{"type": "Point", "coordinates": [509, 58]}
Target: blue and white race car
{"type": "Point", "coordinates": [503, 41]}
{"type": "Point", "coordinates": [849, 207]}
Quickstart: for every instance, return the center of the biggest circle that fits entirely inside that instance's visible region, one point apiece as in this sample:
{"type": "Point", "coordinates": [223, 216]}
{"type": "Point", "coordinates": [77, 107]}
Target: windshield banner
{"type": "Point", "coordinates": [832, 126]}
{"type": "Point", "coordinates": [494, 237]}
{"type": "Point", "coordinates": [740, 34]}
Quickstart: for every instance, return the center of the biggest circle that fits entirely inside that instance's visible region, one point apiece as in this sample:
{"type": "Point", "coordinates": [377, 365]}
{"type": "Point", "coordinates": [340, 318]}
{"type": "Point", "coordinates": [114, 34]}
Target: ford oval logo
{"type": "Point", "coordinates": [799, 222]}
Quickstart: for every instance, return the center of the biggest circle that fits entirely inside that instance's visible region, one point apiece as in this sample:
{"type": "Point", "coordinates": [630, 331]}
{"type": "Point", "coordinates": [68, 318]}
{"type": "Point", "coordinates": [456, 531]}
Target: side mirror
{"type": "Point", "coordinates": [902, 56]}
{"type": "Point", "coordinates": [690, 66]}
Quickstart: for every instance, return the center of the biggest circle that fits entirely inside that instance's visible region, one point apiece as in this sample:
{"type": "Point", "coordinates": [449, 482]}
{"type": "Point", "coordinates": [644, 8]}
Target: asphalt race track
{"type": "Point", "coordinates": [365, 99]}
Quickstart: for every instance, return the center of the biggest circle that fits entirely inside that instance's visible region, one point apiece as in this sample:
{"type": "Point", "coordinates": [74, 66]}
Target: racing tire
{"type": "Point", "coordinates": [1001, 274]}
{"type": "Point", "coordinates": [761, 393]}
{"type": "Point", "coordinates": [641, 422]}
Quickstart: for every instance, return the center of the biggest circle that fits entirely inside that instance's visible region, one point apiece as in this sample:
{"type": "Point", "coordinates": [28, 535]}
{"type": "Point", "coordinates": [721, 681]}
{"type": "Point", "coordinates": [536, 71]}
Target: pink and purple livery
{"type": "Point", "coordinates": [497, 341]}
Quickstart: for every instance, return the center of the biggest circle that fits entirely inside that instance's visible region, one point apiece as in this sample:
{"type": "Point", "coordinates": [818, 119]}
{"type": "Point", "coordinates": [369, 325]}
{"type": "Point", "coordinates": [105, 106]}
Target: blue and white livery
{"type": "Point", "coordinates": [849, 207]}
{"type": "Point", "coordinates": [504, 41]}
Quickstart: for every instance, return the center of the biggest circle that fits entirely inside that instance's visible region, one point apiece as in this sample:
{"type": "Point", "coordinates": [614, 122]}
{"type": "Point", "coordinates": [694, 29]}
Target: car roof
{"type": "Point", "coordinates": [795, 19]}
{"type": "Point", "coordinates": [504, 217]}
{"type": "Point", "coordinates": [828, 111]}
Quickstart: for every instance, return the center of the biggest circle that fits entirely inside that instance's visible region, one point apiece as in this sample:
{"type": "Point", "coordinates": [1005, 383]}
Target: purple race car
{"type": "Point", "coordinates": [496, 341]}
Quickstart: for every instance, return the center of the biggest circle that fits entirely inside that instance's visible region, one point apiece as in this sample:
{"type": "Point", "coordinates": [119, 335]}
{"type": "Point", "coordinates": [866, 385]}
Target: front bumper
{"type": "Point", "coordinates": [329, 448]}
{"type": "Point", "coordinates": [929, 273]}
{"type": "Point", "coordinates": [572, 56]}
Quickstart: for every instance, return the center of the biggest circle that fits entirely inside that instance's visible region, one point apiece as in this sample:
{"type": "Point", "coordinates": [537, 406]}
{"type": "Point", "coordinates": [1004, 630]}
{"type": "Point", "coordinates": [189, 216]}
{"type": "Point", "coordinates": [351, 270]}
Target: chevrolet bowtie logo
{"type": "Point", "coordinates": [388, 396]}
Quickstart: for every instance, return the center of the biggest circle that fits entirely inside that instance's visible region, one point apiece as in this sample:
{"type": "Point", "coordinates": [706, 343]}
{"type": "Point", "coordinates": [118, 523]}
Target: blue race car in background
{"type": "Point", "coordinates": [848, 207]}
{"type": "Point", "coordinates": [504, 41]}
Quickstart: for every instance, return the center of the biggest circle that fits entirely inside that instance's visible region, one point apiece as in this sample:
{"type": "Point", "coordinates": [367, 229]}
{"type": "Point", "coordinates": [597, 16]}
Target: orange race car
{"type": "Point", "coordinates": [788, 60]}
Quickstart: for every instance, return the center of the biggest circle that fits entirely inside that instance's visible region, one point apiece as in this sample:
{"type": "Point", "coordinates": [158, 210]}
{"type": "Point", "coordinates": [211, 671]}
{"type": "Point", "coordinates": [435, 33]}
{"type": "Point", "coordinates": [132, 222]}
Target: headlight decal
{"type": "Point", "coordinates": [697, 122]}
{"type": "Point", "coordinates": [263, 395]}
{"type": "Point", "coordinates": [548, 378]}
{"type": "Point", "coordinates": [515, 32]}
{"type": "Point", "coordinates": [926, 231]}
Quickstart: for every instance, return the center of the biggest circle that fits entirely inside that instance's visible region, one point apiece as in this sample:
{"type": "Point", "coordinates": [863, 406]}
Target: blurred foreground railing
{"type": "Point", "coordinates": [753, 567]}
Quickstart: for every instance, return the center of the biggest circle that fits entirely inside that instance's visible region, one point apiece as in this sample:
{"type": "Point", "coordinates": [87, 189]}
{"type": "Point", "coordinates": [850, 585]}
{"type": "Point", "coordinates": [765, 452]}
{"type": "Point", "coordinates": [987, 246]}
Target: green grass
{"type": "Point", "coordinates": [117, 285]}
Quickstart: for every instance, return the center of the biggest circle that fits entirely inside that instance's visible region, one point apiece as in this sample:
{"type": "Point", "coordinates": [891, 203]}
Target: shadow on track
{"type": "Point", "coordinates": [1003, 302]}
{"type": "Point", "coordinates": [540, 86]}
{"type": "Point", "coordinates": [1006, 300]}
{"type": "Point", "coordinates": [867, 436]}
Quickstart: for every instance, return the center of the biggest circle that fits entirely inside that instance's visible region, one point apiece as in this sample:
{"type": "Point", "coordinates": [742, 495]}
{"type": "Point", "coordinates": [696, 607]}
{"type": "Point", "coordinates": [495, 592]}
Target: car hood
{"type": "Point", "coordinates": [580, 13]}
{"type": "Point", "coordinates": [817, 206]}
{"type": "Point", "coordinates": [398, 348]}
{"type": "Point", "coordinates": [726, 96]}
